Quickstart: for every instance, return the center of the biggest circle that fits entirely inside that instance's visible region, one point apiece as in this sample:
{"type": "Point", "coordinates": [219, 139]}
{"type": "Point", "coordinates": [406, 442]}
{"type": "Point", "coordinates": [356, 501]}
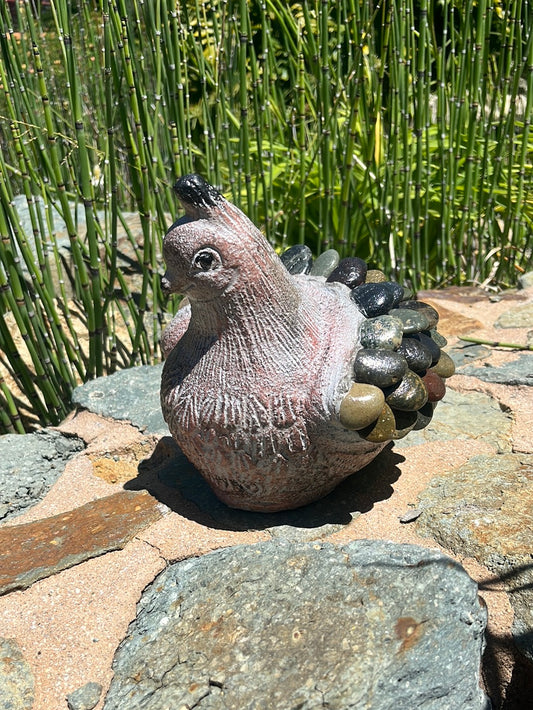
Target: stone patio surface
{"type": "Point", "coordinates": [75, 563]}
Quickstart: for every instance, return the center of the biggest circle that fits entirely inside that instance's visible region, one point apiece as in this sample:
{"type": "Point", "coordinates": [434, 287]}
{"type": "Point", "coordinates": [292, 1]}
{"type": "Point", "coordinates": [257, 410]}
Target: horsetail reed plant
{"type": "Point", "coordinates": [399, 131]}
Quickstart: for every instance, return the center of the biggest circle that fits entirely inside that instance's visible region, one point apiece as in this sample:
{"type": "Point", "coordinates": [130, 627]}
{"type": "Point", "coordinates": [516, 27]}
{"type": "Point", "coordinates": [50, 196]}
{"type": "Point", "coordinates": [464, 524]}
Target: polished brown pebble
{"type": "Point", "coordinates": [445, 367]}
{"type": "Point", "coordinates": [382, 429]}
{"type": "Point", "coordinates": [361, 406]}
{"type": "Point", "coordinates": [375, 276]}
{"type": "Point", "coordinates": [409, 395]}
{"type": "Point", "coordinates": [434, 385]}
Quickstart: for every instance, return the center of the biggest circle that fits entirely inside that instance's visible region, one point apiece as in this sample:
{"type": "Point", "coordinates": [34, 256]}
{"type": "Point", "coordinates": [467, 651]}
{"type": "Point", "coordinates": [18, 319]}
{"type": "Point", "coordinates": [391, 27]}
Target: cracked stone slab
{"type": "Point", "coordinates": [16, 679]}
{"type": "Point", "coordinates": [85, 698]}
{"type": "Point", "coordinates": [515, 372]}
{"type": "Point", "coordinates": [484, 510]}
{"type": "Point", "coordinates": [305, 625]}
{"type": "Point", "coordinates": [30, 464]}
{"type": "Point", "coordinates": [466, 354]}
{"type": "Point", "coordinates": [517, 317]}
{"type": "Point", "coordinates": [471, 415]}
{"type": "Point", "coordinates": [131, 395]}
{"type": "Point", "coordinates": [36, 550]}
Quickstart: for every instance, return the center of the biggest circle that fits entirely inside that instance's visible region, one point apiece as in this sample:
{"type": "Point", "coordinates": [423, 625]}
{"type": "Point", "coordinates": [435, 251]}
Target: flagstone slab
{"type": "Point", "coordinates": [519, 371]}
{"type": "Point", "coordinates": [36, 550]}
{"type": "Point", "coordinates": [517, 317]}
{"type": "Point", "coordinates": [29, 466]}
{"type": "Point", "coordinates": [16, 679]}
{"type": "Point", "coordinates": [305, 625]}
{"type": "Point", "coordinates": [131, 395]}
{"type": "Point", "coordinates": [484, 510]}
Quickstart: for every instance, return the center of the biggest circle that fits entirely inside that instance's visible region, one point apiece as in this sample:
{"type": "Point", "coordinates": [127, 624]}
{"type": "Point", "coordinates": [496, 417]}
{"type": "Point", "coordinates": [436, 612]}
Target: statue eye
{"type": "Point", "coordinates": [206, 260]}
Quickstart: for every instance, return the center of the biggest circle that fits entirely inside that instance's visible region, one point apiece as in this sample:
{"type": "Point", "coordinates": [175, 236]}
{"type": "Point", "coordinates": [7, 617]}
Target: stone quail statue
{"type": "Point", "coordinates": [283, 376]}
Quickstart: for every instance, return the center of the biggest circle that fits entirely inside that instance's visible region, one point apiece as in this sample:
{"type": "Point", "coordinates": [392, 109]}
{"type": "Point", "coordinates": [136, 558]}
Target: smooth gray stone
{"type": "Point", "coordinates": [283, 625]}
{"type": "Point", "coordinates": [483, 510]}
{"type": "Point", "coordinates": [382, 368]}
{"type": "Point", "coordinates": [85, 698]}
{"type": "Point", "coordinates": [439, 339]}
{"type": "Point", "coordinates": [30, 464]}
{"type": "Point", "coordinates": [421, 307]}
{"type": "Point", "coordinates": [413, 321]}
{"type": "Point", "coordinates": [381, 332]}
{"type": "Point", "coordinates": [325, 263]}
{"type": "Point", "coordinates": [131, 395]}
{"type": "Point", "coordinates": [526, 280]}
{"type": "Point", "coordinates": [16, 678]}
{"type": "Point", "coordinates": [517, 372]}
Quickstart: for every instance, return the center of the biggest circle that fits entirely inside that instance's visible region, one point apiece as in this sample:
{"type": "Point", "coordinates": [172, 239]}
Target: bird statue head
{"type": "Point", "coordinates": [214, 250]}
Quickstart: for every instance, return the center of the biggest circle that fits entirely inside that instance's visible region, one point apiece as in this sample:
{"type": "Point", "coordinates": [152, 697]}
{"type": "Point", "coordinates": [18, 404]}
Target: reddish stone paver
{"type": "Point", "coordinates": [32, 551]}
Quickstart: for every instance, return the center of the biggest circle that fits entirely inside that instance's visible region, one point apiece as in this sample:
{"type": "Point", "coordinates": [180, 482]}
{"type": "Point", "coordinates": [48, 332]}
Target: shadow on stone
{"type": "Point", "coordinates": [174, 481]}
{"type": "Point", "coordinates": [520, 687]}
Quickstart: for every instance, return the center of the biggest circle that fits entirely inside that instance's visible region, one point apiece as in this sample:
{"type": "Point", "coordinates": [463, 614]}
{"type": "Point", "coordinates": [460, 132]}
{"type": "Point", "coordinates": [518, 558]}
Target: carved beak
{"type": "Point", "coordinates": [165, 285]}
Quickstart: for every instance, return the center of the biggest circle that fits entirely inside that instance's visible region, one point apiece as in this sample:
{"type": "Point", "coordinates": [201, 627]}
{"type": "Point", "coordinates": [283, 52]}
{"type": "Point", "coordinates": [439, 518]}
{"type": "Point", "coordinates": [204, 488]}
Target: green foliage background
{"type": "Point", "coordinates": [399, 131]}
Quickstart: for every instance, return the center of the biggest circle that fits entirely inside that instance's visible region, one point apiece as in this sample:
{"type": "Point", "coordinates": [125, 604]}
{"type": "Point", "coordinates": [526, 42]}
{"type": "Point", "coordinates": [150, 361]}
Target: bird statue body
{"type": "Point", "coordinates": [258, 385]}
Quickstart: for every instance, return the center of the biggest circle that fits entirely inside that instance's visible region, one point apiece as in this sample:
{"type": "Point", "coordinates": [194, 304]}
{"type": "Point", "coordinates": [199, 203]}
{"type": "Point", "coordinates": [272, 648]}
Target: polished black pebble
{"type": "Point", "coordinates": [424, 415]}
{"type": "Point", "coordinates": [413, 321]}
{"type": "Point", "coordinates": [350, 271]}
{"type": "Point", "coordinates": [438, 338]}
{"type": "Point", "coordinates": [428, 342]}
{"type": "Point", "coordinates": [325, 263]}
{"type": "Point", "coordinates": [298, 259]}
{"type": "Point", "coordinates": [381, 332]}
{"type": "Point", "coordinates": [409, 395]}
{"type": "Point", "coordinates": [425, 308]}
{"type": "Point", "coordinates": [404, 422]}
{"type": "Point", "coordinates": [418, 357]}
{"type": "Point", "coordinates": [376, 299]}
{"type": "Point", "coordinates": [379, 367]}
{"type": "Point", "coordinates": [398, 292]}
